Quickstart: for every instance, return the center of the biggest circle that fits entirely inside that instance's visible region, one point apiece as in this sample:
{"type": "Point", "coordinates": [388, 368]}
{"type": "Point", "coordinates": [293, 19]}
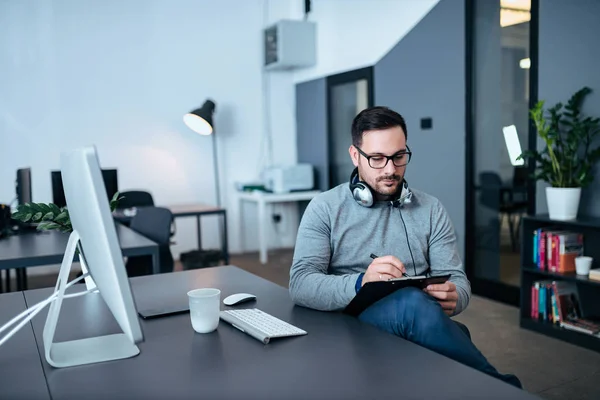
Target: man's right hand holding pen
{"type": "Point", "coordinates": [384, 268]}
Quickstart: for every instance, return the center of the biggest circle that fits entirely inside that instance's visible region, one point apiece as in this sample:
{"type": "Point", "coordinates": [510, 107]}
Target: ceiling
{"type": "Point", "coordinates": [514, 12]}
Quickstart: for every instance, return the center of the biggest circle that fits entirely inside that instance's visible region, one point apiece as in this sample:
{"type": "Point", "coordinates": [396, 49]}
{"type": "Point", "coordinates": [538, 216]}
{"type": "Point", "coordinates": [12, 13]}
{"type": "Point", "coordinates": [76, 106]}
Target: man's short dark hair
{"type": "Point", "coordinates": [375, 118]}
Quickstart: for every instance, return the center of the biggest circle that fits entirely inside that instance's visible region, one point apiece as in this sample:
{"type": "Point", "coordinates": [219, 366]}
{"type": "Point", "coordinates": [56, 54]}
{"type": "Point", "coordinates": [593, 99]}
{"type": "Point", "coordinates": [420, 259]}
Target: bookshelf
{"type": "Point", "coordinates": [588, 289]}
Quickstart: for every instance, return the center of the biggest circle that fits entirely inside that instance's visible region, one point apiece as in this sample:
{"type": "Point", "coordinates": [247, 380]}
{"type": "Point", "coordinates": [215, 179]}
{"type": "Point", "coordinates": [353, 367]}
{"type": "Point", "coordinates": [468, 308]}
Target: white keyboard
{"type": "Point", "coordinates": [259, 324]}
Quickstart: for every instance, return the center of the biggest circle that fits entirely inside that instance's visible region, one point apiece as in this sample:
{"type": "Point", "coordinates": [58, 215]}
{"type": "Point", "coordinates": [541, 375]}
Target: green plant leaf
{"type": "Point", "coordinates": [63, 216]}
{"type": "Point", "coordinates": [45, 208]}
{"type": "Point", "coordinates": [48, 216]}
{"type": "Point", "coordinates": [47, 225]}
{"type": "Point", "coordinates": [54, 208]}
{"type": "Point", "coordinates": [27, 217]}
{"type": "Point", "coordinates": [37, 216]}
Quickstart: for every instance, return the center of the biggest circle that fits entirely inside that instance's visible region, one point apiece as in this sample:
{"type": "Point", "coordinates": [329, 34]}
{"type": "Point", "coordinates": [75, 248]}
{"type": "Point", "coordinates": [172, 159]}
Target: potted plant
{"type": "Point", "coordinates": [567, 160]}
{"type": "Point", "coordinates": [50, 216]}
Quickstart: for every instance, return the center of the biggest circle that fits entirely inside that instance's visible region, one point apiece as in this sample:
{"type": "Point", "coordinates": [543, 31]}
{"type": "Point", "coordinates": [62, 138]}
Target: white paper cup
{"type": "Point", "coordinates": [583, 265]}
{"type": "Point", "coordinates": [205, 305]}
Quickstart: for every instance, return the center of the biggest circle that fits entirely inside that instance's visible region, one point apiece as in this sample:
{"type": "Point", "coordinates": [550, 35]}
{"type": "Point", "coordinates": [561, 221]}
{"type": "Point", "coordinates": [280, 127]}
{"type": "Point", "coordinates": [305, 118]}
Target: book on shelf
{"type": "Point", "coordinates": [555, 250]}
{"type": "Point", "coordinates": [557, 302]}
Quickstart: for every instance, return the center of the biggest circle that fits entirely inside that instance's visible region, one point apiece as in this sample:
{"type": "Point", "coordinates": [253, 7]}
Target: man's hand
{"type": "Point", "coordinates": [445, 294]}
{"type": "Point", "coordinates": [383, 268]}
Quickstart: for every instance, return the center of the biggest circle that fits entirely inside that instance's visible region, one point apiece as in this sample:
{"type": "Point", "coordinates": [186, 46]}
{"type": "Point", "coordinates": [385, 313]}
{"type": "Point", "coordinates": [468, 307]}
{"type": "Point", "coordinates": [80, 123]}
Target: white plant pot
{"type": "Point", "coordinates": [563, 203]}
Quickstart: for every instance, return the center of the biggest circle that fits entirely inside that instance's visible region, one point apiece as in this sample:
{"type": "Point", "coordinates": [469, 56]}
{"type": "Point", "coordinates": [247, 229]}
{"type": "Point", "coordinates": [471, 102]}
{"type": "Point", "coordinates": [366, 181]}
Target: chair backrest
{"type": "Point", "coordinates": [154, 223]}
{"type": "Point", "coordinates": [490, 184]}
{"type": "Point", "coordinates": [136, 198]}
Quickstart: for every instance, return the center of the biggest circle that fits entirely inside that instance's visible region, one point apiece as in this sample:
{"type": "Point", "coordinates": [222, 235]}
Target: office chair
{"type": "Point", "coordinates": [155, 224]}
{"type": "Point", "coordinates": [136, 198]}
{"type": "Point", "coordinates": [499, 197]}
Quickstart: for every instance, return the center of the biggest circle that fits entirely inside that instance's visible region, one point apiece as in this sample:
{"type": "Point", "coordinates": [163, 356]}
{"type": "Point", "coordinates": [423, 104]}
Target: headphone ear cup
{"type": "Point", "coordinates": [362, 194]}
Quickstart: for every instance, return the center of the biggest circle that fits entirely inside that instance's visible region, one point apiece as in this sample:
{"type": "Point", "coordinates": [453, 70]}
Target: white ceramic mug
{"type": "Point", "coordinates": [583, 265]}
{"type": "Point", "coordinates": [205, 305]}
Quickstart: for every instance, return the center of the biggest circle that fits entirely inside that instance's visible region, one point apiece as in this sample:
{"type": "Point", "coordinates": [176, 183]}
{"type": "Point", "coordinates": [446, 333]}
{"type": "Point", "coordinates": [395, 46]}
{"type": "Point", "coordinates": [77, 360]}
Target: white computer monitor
{"type": "Point", "coordinates": [94, 230]}
{"type": "Point", "coordinates": [513, 145]}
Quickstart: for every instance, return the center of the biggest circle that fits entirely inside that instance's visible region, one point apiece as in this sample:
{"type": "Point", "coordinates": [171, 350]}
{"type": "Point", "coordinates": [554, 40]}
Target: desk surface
{"type": "Point", "coordinates": [22, 376]}
{"type": "Point", "coordinates": [182, 210]}
{"type": "Point", "coordinates": [178, 210]}
{"type": "Point", "coordinates": [41, 248]}
{"type": "Point", "coordinates": [339, 358]}
{"type": "Point", "coordinates": [267, 197]}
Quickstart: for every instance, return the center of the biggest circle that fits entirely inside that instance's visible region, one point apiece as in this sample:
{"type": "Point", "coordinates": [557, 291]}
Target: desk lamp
{"type": "Point", "coordinates": [201, 121]}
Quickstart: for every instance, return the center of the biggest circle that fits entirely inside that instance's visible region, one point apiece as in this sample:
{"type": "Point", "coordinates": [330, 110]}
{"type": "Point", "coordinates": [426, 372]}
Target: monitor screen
{"type": "Point", "coordinates": [23, 185]}
{"type": "Point", "coordinates": [109, 176]}
{"type": "Point", "coordinates": [513, 145]}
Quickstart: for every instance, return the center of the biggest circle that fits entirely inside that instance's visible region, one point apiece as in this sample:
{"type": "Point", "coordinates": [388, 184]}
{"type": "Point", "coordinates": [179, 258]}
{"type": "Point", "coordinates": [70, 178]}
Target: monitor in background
{"type": "Point", "coordinates": [513, 145]}
{"type": "Point", "coordinates": [23, 185]}
{"type": "Point", "coordinates": [94, 229]}
{"type": "Point", "coordinates": [58, 193]}
{"type": "Point", "coordinates": [109, 176]}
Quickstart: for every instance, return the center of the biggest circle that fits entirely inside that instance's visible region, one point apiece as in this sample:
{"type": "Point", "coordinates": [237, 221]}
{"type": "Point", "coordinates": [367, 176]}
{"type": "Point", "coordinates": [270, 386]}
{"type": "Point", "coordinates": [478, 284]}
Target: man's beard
{"type": "Point", "coordinates": [384, 189]}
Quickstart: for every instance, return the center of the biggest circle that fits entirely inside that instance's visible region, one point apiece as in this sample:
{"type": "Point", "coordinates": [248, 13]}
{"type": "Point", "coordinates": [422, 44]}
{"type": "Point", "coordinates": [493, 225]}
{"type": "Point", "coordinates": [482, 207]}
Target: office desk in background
{"type": "Point", "coordinates": [192, 210]}
{"type": "Point", "coordinates": [262, 199]}
{"type": "Point", "coordinates": [44, 248]}
{"type": "Point", "coordinates": [337, 359]}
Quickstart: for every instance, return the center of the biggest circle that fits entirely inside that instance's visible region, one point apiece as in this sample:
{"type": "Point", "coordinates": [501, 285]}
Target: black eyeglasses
{"type": "Point", "coordinates": [379, 161]}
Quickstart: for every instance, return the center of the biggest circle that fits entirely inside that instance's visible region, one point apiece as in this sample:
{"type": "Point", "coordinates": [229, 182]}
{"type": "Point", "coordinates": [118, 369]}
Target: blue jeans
{"type": "Point", "coordinates": [416, 316]}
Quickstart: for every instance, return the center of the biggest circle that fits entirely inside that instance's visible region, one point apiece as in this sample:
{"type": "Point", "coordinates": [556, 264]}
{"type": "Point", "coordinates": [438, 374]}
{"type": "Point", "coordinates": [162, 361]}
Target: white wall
{"type": "Point", "coordinates": [354, 34]}
{"type": "Point", "coordinates": [120, 75]}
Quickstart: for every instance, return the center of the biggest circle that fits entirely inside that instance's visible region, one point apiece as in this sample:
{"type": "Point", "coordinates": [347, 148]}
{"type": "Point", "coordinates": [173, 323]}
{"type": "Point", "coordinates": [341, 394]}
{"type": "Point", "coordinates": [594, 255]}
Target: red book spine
{"type": "Point", "coordinates": [536, 301]}
{"type": "Point", "coordinates": [556, 250]}
{"type": "Point", "coordinates": [542, 258]}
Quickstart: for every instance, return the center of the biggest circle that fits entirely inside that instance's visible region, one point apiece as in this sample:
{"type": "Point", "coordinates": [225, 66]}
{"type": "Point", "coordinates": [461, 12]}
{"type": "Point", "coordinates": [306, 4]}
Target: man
{"type": "Point", "coordinates": [408, 230]}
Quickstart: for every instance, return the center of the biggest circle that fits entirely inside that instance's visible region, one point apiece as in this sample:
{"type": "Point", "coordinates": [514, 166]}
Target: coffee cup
{"type": "Point", "coordinates": [204, 309]}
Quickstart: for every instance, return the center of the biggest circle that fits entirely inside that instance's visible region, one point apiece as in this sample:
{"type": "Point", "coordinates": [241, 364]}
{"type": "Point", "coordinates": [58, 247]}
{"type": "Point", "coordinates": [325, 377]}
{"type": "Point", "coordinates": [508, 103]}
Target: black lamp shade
{"type": "Point", "coordinates": [201, 119]}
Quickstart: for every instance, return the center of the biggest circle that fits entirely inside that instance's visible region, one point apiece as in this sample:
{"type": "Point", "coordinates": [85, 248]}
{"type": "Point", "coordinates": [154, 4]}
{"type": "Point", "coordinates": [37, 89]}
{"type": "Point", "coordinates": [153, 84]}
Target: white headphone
{"type": "Point", "coordinates": [364, 196]}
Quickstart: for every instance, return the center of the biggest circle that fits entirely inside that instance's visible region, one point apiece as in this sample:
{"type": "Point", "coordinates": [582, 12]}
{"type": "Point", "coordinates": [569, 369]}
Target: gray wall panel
{"type": "Point", "coordinates": [569, 55]}
{"type": "Point", "coordinates": [424, 76]}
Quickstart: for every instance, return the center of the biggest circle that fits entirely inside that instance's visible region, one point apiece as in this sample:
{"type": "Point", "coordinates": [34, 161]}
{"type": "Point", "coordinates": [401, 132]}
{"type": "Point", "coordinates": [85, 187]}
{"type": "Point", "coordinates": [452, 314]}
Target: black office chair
{"type": "Point", "coordinates": [138, 199]}
{"type": "Point", "coordinates": [135, 198]}
{"type": "Point", "coordinates": [155, 224]}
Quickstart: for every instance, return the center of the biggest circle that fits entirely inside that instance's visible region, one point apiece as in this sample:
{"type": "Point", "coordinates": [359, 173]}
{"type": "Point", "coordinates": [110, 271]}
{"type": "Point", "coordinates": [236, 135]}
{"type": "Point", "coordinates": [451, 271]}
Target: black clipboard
{"type": "Point", "coordinates": [372, 292]}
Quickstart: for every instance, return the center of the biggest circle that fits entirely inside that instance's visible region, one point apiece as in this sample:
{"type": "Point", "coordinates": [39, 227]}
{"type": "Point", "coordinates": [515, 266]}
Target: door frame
{"type": "Point", "coordinates": [485, 287]}
{"type": "Point", "coordinates": [338, 79]}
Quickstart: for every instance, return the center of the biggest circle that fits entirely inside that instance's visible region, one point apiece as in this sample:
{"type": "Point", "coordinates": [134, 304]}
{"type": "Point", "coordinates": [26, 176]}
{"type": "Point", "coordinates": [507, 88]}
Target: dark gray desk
{"type": "Point", "coordinates": [43, 248]}
{"type": "Point", "coordinates": [340, 358]}
{"type": "Point", "coordinates": [22, 375]}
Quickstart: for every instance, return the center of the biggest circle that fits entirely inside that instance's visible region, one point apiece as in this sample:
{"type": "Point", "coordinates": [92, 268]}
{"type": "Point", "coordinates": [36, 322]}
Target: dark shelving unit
{"type": "Point", "coordinates": [588, 289]}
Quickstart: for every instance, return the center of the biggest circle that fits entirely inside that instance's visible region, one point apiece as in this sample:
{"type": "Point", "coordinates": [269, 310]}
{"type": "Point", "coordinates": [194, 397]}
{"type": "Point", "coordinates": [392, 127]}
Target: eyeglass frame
{"type": "Point", "coordinates": [388, 158]}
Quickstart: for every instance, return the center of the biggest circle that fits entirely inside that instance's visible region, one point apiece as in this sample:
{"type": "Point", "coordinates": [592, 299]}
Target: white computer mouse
{"type": "Point", "coordinates": [238, 298]}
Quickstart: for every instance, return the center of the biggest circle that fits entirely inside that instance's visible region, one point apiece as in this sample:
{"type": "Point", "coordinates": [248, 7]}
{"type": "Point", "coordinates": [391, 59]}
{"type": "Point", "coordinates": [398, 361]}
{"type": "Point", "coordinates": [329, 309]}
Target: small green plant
{"type": "Point", "coordinates": [568, 159]}
{"type": "Point", "coordinates": [50, 216]}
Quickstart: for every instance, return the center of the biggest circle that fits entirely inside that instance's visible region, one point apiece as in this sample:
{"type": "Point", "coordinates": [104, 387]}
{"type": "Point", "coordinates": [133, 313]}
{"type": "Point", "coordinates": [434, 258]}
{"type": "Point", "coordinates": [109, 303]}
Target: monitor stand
{"type": "Point", "coordinates": [82, 351]}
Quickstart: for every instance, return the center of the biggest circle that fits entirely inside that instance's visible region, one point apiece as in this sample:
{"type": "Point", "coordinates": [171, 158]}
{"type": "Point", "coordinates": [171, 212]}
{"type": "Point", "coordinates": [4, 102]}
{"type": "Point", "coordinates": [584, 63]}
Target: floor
{"type": "Point", "coordinates": [551, 368]}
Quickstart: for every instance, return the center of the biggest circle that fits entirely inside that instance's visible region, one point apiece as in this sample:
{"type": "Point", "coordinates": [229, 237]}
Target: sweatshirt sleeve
{"type": "Point", "coordinates": [444, 257]}
{"type": "Point", "coordinates": [310, 284]}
